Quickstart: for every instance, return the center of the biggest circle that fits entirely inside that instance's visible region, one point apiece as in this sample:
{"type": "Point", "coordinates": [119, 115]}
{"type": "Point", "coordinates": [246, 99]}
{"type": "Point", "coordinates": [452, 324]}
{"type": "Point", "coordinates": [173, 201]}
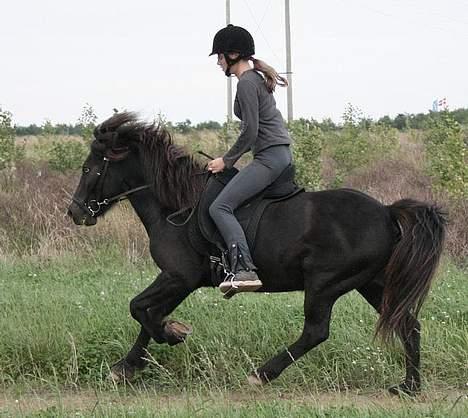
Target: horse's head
{"type": "Point", "coordinates": [110, 172]}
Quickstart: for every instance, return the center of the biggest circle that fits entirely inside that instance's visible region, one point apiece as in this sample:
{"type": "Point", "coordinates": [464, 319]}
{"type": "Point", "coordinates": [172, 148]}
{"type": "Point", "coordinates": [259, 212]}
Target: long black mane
{"type": "Point", "coordinates": [172, 172]}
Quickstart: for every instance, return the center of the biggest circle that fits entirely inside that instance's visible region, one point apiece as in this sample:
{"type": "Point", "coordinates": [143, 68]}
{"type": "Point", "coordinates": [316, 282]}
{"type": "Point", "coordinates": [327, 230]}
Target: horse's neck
{"type": "Point", "coordinates": [148, 210]}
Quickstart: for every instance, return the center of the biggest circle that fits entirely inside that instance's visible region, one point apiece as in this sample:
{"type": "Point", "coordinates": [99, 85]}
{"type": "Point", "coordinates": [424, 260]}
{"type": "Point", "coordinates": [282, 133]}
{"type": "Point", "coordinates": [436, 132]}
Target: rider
{"type": "Point", "coordinates": [263, 131]}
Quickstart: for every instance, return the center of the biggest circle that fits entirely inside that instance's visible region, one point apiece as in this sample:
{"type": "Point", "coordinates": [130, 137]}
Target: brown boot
{"type": "Point", "coordinates": [243, 281]}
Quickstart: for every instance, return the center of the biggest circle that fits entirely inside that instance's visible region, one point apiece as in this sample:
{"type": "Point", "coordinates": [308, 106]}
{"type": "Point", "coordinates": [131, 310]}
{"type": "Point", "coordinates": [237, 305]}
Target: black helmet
{"type": "Point", "coordinates": [233, 39]}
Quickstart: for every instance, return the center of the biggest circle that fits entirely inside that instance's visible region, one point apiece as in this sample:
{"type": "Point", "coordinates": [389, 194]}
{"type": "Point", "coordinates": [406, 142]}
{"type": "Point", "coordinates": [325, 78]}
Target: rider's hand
{"type": "Point", "coordinates": [216, 165]}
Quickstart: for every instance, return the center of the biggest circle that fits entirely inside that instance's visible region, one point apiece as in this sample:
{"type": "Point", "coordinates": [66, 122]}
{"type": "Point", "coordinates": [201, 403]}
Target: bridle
{"type": "Point", "coordinates": [93, 206]}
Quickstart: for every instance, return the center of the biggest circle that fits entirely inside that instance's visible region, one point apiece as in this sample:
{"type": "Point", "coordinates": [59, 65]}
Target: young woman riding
{"type": "Point", "coordinates": [263, 131]}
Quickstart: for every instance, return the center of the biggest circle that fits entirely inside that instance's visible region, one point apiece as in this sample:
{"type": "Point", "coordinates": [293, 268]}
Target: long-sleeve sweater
{"type": "Point", "coordinates": [262, 125]}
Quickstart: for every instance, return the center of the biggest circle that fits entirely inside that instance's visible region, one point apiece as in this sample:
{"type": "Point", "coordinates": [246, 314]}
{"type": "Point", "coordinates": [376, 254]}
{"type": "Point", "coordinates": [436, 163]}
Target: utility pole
{"type": "Point", "coordinates": [229, 80]}
{"type": "Point", "coordinates": [288, 60]}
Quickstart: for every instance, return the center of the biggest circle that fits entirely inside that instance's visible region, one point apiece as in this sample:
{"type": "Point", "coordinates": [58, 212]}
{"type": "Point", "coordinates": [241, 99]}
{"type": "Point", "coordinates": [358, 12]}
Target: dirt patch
{"type": "Point", "coordinates": [88, 401]}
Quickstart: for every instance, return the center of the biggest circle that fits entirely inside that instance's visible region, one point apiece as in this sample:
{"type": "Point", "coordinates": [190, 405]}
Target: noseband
{"type": "Point", "coordinates": [93, 207]}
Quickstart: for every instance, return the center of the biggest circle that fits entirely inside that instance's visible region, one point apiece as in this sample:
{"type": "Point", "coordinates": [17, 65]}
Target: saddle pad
{"type": "Point", "coordinates": [248, 215]}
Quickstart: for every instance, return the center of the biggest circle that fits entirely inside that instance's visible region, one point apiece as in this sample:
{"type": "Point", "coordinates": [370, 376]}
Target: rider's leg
{"type": "Point", "coordinates": [251, 180]}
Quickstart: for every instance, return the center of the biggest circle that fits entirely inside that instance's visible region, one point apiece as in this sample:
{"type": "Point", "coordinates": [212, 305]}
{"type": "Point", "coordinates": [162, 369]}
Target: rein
{"type": "Point", "coordinates": [93, 207]}
{"type": "Point", "coordinates": [172, 216]}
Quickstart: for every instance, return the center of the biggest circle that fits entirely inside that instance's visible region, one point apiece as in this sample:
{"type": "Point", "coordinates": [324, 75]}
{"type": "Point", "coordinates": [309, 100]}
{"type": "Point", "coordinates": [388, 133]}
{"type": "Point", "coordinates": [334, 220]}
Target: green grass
{"type": "Point", "coordinates": [226, 405]}
{"type": "Point", "coordinates": [65, 322]}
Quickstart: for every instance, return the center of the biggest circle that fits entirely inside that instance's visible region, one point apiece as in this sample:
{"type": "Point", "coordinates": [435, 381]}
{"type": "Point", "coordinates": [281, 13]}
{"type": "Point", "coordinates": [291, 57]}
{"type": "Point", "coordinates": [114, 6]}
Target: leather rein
{"type": "Point", "coordinates": [93, 207]}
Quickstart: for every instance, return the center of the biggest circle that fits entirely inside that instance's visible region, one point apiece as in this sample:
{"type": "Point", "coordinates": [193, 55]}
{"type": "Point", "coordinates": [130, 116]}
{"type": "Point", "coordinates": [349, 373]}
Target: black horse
{"type": "Point", "coordinates": [326, 243]}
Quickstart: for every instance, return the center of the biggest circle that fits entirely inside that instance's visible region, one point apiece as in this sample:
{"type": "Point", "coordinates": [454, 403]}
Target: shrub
{"type": "Point", "coordinates": [359, 142]}
{"type": "Point", "coordinates": [227, 136]}
{"type": "Point", "coordinates": [9, 150]}
{"type": "Point", "coordinates": [383, 141]}
{"type": "Point", "coordinates": [307, 150]}
{"type": "Point", "coordinates": [67, 155]}
{"type": "Point", "coordinates": [87, 122]}
{"type": "Point", "coordinates": [350, 147]}
{"type": "Point", "coordinates": [447, 155]}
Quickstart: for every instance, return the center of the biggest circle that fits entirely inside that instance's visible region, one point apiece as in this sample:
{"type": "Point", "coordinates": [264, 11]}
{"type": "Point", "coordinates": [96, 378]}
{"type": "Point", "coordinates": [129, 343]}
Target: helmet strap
{"type": "Point", "coordinates": [230, 62]}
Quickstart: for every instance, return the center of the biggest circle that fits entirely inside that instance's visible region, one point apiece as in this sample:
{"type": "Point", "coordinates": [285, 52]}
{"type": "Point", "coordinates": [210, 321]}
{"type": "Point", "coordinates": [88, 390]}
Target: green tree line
{"type": "Point", "coordinates": [402, 122]}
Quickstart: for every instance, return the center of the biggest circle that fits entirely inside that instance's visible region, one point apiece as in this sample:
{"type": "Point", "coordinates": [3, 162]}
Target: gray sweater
{"type": "Point", "coordinates": [262, 125]}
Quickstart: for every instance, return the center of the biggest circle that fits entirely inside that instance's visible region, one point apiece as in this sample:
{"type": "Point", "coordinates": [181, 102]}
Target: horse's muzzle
{"type": "Point", "coordinates": [79, 216]}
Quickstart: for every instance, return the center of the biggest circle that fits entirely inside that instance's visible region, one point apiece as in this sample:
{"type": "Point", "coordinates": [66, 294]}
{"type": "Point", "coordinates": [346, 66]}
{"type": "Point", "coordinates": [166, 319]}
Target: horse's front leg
{"type": "Point", "coordinates": [150, 309]}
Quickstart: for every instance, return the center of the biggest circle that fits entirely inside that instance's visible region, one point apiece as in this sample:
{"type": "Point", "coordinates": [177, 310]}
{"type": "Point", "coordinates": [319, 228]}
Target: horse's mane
{"type": "Point", "coordinates": [171, 172]}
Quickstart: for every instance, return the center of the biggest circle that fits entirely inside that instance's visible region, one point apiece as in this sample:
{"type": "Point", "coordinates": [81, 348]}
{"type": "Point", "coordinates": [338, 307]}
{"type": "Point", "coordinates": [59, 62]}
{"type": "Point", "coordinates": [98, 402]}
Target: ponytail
{"type": "Point", "coordinates": [272, 78]}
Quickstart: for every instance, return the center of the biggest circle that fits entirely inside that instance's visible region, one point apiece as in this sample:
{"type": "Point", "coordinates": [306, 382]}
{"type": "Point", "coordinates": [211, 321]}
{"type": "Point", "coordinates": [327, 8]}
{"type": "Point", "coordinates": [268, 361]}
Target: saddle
{"type": "Point", "coordinates": [251, 211]}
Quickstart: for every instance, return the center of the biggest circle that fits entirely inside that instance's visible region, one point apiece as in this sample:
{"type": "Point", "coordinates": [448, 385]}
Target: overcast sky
{"type": "Point", "coordinates": [151, 56]}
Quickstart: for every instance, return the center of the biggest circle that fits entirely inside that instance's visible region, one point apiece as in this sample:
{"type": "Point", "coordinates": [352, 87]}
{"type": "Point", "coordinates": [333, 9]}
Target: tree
{"type": "Point", "coordinates": [9, 151]}
{"type": "Point", "coordinates": [87, 122]}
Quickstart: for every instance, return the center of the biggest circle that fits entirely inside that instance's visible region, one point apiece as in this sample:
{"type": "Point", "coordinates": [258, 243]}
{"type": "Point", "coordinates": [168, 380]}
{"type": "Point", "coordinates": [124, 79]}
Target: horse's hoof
{"type": "Point", "coordinates": [121, 371]}
{"type": "Point", "coordinates": [176, 332]}
{"type": "Point", "coordinates": [254, 380]}
{"type": "Point", "coordinates": [404, 389]}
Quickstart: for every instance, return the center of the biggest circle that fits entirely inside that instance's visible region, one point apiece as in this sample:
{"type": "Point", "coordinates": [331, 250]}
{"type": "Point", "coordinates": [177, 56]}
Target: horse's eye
{"type": "Point", "coordinates": [85, 170]}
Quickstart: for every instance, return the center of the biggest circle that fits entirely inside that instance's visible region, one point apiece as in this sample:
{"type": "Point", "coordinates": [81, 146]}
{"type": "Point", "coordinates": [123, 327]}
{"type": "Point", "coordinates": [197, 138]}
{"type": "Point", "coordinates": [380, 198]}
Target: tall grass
{"type": "Point", "coordinates": [64, 318]}
{"type": "Point", "coordinates": [66, 322]}
{"type": "Point", "coordinates": [34, 199]}
{"type": "Point", "coordinates": [222, 405]}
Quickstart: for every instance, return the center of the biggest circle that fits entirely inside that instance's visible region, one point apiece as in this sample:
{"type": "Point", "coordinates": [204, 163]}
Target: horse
{"type": "Point", "coordinates": [325, 243]}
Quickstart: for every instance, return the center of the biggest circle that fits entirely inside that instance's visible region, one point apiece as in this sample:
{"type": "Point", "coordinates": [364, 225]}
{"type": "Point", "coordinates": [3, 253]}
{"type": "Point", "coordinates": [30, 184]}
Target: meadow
{"type": "Point", "coordinates": [64, 317]}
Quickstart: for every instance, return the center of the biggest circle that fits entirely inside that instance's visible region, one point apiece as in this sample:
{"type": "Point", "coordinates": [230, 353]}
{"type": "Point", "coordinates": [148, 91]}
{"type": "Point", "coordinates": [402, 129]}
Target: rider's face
{"type": "Point", "coordinates": [222, 61]}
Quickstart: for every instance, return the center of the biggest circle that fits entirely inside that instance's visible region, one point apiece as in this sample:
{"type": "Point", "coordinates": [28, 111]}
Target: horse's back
{"type": "Point", "coordinates": [331, 230]}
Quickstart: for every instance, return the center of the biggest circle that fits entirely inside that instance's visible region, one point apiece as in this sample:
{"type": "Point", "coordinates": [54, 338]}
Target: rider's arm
{"type": "Point", "coordinates": [247, 97]}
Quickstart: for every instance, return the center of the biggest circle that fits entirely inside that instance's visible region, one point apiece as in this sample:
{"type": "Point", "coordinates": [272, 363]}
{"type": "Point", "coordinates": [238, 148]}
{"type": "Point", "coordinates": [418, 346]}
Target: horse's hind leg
{"type": "Point", "coordinates": [317, 309]}
{"type": "Point", "coordinates": [373, 292]}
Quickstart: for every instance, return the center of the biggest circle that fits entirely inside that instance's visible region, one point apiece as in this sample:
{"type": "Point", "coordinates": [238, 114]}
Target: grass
{"type": "Point", "coordinates": [226, 405]}
{"type": "Point", "coordinates": [63, 323]}
{"type": "Point", "coordinates": [64, 319]}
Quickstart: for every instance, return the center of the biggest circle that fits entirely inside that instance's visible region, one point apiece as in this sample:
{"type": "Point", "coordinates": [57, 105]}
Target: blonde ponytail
{"type": "Point", "coordinates": [272, 78]}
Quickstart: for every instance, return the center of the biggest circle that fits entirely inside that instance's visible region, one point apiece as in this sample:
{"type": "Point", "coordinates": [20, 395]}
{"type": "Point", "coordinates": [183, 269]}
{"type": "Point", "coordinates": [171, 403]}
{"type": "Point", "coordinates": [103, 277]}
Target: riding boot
{"type": "Point", "coordinates": [243, 272]}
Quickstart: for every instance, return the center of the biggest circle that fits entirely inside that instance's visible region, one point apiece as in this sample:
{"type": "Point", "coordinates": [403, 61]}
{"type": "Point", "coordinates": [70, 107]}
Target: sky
{"type": "Point", "coordinates": [151, 56]}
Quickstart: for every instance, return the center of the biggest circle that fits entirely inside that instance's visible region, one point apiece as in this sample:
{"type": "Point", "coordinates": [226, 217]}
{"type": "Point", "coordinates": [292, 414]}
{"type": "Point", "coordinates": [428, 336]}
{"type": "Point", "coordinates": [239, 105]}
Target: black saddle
{"type": "Point", "coordinates": [251, 211]}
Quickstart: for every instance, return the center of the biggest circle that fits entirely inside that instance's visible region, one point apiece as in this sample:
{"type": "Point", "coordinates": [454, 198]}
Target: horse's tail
{"type": "Point", "coordinates": [412, 265]}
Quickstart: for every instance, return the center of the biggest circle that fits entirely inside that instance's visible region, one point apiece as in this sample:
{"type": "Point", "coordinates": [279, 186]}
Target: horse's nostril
{"type": "Point", "coordinates": [69, 213]}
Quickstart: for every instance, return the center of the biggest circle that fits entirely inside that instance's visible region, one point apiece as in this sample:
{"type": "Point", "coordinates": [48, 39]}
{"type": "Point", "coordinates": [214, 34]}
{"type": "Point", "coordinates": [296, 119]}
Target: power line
{"type": "Point", "coordinates": [278, 60]}
{"type": "Point", "coordinates": [404, 17]}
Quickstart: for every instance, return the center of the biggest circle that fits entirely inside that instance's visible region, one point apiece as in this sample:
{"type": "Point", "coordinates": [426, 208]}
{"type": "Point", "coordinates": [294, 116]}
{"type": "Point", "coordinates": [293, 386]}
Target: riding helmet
{"type": "Point", "coordinates": [233, 39]}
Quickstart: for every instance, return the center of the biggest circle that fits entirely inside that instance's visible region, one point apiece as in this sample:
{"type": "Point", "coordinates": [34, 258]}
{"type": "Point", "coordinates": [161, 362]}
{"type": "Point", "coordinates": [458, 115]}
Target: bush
{"type": "Point", "coordinates": [350, 147]}
{"type": "Point", "coordinates": [359, 143]}
{"type": "Point", "coordinates": [87, 122]}
{"type": "Point", "coordinates": [227, 136]}
{"type": "Point", "coordinates": [447, 155]}
{"type": "Point", "coordinates": [383, 141]}
{"type": "Point", "coordinates": [67, 155]}
{"type": "Point", "coordinates": [9, 151]}
{"type": "Point", "coordinates": [307, 150]}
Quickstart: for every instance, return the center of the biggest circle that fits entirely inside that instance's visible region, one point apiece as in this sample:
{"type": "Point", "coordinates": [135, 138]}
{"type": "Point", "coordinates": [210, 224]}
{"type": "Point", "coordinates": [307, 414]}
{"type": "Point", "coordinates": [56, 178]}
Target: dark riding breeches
{"type": "Point", "coordinates": [265, 168]}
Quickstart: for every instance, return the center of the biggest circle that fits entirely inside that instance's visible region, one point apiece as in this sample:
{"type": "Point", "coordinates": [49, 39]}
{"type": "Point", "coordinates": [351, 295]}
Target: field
{"type": "Point", "coordinates": [63, 323]}
{"type": "Point", "coordinates": [64, 319]}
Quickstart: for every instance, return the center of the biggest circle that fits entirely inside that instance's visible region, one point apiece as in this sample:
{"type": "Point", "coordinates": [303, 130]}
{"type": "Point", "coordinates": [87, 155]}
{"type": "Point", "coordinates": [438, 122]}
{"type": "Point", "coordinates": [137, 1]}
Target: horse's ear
{"type": "Point", "coordinates": [97, 131]}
